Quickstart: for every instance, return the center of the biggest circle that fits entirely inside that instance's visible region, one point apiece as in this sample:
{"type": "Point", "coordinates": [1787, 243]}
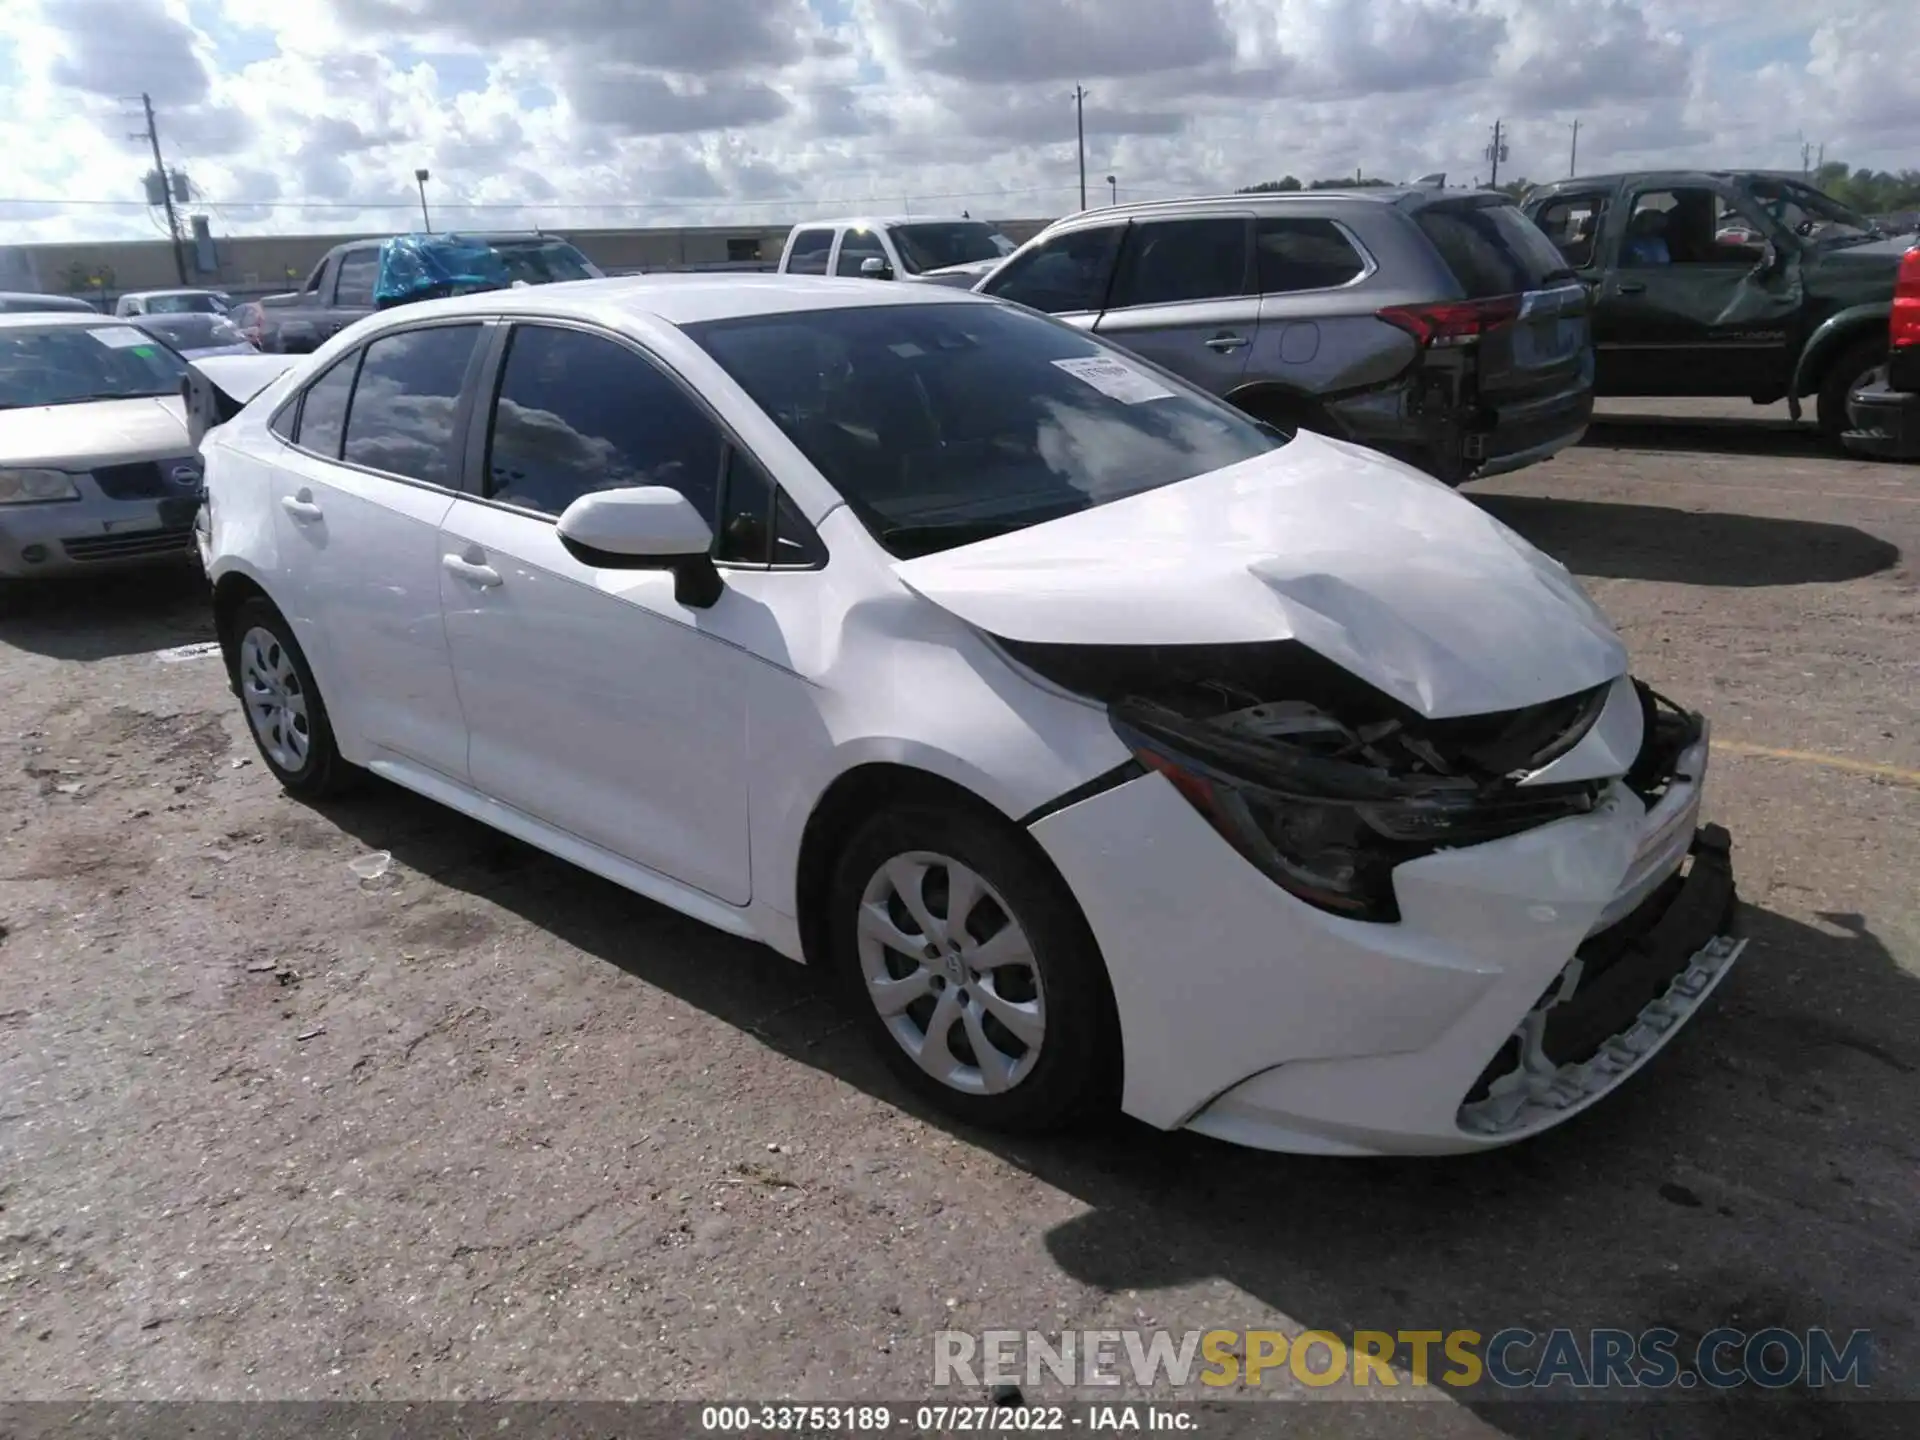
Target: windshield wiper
{"type": "Point", "coordinates": [110, 395]}
{"type": "Point", "coordinates": [945, 534]}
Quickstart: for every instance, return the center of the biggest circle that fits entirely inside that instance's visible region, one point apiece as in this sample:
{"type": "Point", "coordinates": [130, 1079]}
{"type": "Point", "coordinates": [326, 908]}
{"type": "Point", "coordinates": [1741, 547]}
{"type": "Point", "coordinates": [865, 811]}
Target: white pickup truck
{"type": "Point", "coordinates": [930, 250]}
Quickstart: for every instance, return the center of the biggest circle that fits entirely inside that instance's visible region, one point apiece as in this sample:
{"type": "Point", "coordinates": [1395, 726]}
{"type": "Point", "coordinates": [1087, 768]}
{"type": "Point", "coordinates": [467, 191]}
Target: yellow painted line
{"type": "Point", "coordinates": [1814, 757]}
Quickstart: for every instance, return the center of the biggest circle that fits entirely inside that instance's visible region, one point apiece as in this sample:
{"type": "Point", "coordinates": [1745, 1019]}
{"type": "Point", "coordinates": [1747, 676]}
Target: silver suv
{"type": "Point", "coordinates": [1439, 326]}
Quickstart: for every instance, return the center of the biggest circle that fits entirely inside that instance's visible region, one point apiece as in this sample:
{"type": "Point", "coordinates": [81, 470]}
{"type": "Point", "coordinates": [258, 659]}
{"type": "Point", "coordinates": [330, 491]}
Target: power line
{"type": "Point", "coordinates": [670, 203]}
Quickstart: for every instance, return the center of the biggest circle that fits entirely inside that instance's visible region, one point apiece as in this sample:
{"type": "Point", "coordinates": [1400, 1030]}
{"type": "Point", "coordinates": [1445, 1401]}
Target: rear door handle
{"type": "Point", "coordinates": [1226, 342]}
{"type": "Point", "coordinates": [300, 509]}
{"type": "Point", "coordinates": [481, 577]}
{"type": "Point", "coordinates": [1632, 287]}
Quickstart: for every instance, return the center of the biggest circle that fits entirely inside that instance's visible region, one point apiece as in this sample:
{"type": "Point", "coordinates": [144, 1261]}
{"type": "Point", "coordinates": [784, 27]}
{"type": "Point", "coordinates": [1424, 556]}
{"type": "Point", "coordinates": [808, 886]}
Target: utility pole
{"type": "Point", "coordinates": [166, 189]}
{"type": "Point", "coordinates": [1573, 155]}
{"type": "Point", "coordinates": [420, 178]}
{"type": "Point", "coordinates": [1080, 130]}
{"type": "Point", "coordinates": [1496, 152]}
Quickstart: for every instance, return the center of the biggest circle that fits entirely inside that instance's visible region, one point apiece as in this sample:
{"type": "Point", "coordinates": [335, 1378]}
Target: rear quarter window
{"type": "Point", "coordinates": [1491, 249]}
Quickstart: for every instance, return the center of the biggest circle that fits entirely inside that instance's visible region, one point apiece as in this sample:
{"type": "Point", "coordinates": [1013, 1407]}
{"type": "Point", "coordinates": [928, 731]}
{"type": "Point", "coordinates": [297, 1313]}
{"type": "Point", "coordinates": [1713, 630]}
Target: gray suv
{"type": "Point", "coordinates": [1439, 326]}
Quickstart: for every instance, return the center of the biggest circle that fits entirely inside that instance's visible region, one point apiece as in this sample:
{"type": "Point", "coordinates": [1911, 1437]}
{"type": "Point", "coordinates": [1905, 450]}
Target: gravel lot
{"type": "Point", "coordinates": [490, 1127]}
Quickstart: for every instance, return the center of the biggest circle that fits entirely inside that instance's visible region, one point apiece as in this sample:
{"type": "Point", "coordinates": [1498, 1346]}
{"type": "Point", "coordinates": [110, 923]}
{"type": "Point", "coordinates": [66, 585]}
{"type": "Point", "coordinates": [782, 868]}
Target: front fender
{"type": "Point", "coordinates": [1836, 332]}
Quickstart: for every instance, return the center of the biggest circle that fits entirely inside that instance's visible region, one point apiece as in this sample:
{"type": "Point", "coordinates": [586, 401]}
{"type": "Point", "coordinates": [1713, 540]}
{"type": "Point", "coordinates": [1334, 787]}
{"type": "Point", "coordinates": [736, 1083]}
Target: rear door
{"type": "Point", "coordinates": [1184, 296]}
{"type": "Point", "coordinates": [1531, 372]}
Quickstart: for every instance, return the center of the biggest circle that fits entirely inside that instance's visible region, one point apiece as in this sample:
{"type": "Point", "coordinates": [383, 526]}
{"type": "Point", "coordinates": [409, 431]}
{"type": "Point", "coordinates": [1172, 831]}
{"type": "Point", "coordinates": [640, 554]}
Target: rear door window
{"type": "Point", "coordinates": [1168, 262]}
{"type": "Point", "coordinates": [1572, 223]}
{"type": "Point", "coordinates": [809, 251]}
{"type": "Point", "coordinates": [323, 411]}
{"type": "Point", "coordinates": [1295, 253]}
{"type": "Point", "coordinates": [1492, 249]}
{"type": "Point", "coordinates": [404, 406]}
{"type": "Point", "coordinates": [358, 270]}
{"type": "Point", "coordinates": [1066, 275]}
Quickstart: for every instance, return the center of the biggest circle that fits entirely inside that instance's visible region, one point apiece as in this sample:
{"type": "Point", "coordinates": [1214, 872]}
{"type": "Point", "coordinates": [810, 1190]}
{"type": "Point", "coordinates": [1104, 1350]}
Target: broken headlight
{"type": "Point", "coordinates": [1327, 824]}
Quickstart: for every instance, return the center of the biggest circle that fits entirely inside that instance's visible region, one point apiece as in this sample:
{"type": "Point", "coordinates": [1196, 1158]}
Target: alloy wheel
{"type": "Point", "coordinates": [952, 973]}
{"type": "Point", "coordinates": [275, 699]}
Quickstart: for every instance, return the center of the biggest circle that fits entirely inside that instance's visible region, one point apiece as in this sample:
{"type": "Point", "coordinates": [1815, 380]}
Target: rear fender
{"type": "Point", "coordinates": [1835, 334]}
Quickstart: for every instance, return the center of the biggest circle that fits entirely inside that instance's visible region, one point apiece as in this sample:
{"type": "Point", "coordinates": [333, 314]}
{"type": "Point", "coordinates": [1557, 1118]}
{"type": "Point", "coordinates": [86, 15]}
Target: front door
{"type": "Point", "coordinates": [357, 509]}
{"type": "Point", "coordinates": [1184, 297]}
{"type": "Point", "coordinates": [595, 700]}
{"type": "Point", "coordinates": [1683, 311]}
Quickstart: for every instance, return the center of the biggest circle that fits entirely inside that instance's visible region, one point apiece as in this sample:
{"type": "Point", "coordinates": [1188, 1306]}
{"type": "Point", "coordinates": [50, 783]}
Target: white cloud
{"type": "Point", "coordinates": [314, 117]}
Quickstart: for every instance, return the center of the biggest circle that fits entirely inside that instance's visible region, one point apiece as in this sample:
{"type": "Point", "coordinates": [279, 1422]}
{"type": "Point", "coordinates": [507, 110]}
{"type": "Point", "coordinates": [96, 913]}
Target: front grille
{"type": "Point", "coordinates": [149, 479]}
{"type": "Point", "coordinates": [129, 546]}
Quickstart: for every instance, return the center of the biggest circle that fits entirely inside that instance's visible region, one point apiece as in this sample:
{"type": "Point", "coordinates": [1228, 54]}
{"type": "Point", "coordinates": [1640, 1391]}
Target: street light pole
{"type": "Point", "coordinates": [1113, 190]}
{"type": "Point", "coordinates": [1573, 155]}
{"type": "Point", "coordinates": [1080, 130]}
{"type": "Point", "coordinates": [420, 178]}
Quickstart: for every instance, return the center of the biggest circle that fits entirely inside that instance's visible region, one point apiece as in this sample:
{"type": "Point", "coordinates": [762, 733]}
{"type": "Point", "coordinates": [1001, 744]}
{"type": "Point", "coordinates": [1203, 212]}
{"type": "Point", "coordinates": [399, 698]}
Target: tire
{"type": "Point", "coordinates": [1053, 1064]}
{"type": "Point", "coordinates": [285, 714]}
{"type": "Point", "coordinates": [1847, 372]}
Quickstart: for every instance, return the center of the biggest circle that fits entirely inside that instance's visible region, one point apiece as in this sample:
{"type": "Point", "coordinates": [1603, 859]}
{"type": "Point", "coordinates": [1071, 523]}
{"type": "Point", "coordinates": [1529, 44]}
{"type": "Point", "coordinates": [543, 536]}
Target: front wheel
{"type": "Point", "coordinates": [1851, 369]}
{"type": "Point", "coordinates": [972, 969]}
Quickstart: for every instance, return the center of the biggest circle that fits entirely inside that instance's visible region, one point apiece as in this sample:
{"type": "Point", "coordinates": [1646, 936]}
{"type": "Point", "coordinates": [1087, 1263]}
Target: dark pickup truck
{"type": "Point", "coordinates": [1725, 282]}
{"type": "Point", "coordinates": [340, 289]}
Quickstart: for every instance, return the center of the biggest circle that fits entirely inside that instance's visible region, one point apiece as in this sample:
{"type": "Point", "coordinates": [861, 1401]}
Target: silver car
{"type": "Point", "coordinates": [1439, 326]}
{"type": "Point", "coordinates": [96, 467]}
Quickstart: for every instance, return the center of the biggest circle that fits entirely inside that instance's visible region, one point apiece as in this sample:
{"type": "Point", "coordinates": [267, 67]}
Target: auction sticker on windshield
{"type": "Point", "coordinates": [1116, 379]}
{"type": "Point", "coordinates": [122, 337]}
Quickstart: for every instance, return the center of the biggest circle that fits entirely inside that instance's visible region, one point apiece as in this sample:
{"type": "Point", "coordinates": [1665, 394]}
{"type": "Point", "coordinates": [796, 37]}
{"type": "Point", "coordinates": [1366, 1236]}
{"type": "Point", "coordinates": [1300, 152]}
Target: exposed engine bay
{"type": "Point", "coordinates": [1326, 783]}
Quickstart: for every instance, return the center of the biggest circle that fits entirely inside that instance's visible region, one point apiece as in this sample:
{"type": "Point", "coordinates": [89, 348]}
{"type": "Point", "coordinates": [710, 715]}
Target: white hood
{"type": "Point", "coordinates": [1377, 567]}
{"type": "Point", "coordinates": [97, 432]}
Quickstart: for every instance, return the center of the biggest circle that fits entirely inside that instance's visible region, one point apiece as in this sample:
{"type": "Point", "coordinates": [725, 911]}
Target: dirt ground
{"type": "Point", "coordinates": [490, 1127]}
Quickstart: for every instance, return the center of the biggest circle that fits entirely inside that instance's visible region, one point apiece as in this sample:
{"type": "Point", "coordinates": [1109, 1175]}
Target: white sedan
{"type": "Point", "coordinates": [1105, 744]}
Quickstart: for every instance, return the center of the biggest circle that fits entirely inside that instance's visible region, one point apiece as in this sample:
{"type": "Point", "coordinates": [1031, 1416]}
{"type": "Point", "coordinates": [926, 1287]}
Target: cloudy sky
{"type": "Point", "coordinates": [312, 116]}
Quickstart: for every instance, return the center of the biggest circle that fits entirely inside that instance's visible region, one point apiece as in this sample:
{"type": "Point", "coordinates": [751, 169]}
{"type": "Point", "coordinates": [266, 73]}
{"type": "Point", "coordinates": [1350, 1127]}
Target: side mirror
{"type": "Point", "coordinates": [649, 527]}
{"type": "Point", "coordinates": [875, 268]}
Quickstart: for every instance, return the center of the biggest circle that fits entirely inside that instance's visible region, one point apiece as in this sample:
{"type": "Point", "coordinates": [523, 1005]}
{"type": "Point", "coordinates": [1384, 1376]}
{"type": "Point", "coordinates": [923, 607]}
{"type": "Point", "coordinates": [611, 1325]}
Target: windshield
{"type": "Point", "coordinates": [72, 363]}
{"type": "Point", "coordinates": [1805, 211]}
{"type": "Point", "coordinates": [941, 424]}
{"type": "Point", "coordinates": [935, 245]}
{"type": "Point", "coordinates": [193, 332]}
{"type": "Point", "coordinates": [187, 303]}
{"type": "Point", "coordinates": [545, 263]}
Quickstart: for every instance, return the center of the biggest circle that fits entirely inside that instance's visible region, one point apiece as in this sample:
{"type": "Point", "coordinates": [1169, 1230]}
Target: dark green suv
{"type": "Point", "coordinates": [1725, 282]}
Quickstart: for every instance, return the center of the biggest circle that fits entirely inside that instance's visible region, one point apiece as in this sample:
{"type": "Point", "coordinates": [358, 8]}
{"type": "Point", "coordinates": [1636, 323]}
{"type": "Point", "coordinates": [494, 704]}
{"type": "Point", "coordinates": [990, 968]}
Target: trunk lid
{"type": "Point", "coordinates": [1366, 561]}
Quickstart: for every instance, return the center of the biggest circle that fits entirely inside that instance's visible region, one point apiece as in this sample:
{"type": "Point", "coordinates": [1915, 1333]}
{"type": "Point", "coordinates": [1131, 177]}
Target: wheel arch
{"type": "Point", "coordinates": [1836, 335]}
{"type": "Point", "coordinates": [1266, 399]}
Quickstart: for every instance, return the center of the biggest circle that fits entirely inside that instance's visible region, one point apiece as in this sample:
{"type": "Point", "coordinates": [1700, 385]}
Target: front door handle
{"type": "Point", "coordinates": [481, 577]}
{"type": "Point", "coordinates": [300, 507]}
{"type": "Point", "coordinates": [1632, 287]}
{"type": "Point", "coordinates": [1226, 342]}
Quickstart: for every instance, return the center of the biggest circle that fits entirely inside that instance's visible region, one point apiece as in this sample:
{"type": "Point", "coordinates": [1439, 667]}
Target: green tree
{"type": "Point", "coordinates": [1269, 185]}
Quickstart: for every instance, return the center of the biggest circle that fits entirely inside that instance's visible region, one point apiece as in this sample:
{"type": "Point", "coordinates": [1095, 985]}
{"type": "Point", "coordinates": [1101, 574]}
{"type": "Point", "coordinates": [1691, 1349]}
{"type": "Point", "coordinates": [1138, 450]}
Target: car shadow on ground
{"type": "Point", "coordinates": [98, 617]}
{"type": "Point", "coordinates": [1603, 539]}
{"type": "Point", "coordinates": [1710, 434]}
{"type": "Point", "coordinates": [1750, 1177]}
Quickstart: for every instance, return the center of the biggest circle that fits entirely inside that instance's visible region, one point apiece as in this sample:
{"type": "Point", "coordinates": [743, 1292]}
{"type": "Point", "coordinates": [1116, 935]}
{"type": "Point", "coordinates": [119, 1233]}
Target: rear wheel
{"type": "Point", "coordinates": [1851, 369]}
{"type": "Point", "coordinates": [284, 709]}
{"type": "Point", "coordinates": [972, 969]}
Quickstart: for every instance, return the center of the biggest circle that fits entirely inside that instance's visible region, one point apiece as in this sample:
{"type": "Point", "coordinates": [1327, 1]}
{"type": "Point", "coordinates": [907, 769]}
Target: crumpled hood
{"type": "Point", "coordinates": [1365, 560]}
{"type": "Point", "coordinates": [98, 432]}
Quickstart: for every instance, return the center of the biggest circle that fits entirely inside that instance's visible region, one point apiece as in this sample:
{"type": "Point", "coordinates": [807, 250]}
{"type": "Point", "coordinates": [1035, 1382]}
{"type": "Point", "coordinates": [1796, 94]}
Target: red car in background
{"type": "Point", "coordinates": [1884, 414]}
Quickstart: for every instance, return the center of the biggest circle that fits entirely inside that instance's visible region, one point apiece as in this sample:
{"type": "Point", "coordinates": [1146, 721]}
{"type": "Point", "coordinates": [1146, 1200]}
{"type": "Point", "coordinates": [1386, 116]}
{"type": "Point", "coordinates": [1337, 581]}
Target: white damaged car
{"type": "Point", "coordinates": [1107, 745]}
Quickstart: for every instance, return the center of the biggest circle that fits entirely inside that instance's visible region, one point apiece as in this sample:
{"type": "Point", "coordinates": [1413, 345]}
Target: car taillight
{"type": "Point", "coordinates": [1453, 322]}
{"type": "Point", "coordinates": [1904, 328]}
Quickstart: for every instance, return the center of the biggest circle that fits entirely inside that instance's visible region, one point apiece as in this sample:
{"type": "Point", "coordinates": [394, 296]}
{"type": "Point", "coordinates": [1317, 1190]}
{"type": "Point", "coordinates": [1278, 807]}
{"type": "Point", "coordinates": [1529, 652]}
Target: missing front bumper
{"type": "Point", "coordinates": [1622, 996]}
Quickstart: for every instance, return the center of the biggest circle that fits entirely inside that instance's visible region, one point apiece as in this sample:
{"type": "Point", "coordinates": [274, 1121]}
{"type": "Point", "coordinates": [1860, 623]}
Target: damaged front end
{"type": "Point", "coordinates": [1327, 796]}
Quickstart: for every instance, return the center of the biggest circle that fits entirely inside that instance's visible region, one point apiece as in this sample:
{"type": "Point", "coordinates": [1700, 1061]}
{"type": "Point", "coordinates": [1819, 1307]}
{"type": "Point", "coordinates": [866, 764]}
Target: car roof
{"type": "Point", "coordinates": [872, 221]}
{"type": "Point", "coordinates": [688, 298]}
{"type": "Point", "coordinates": [175, 290]}
{"type": "Point", "coordinates": [1618, 177]}
{"type": "Point", "coordinates": [1395, 195]}
{"type": "Point", "coordinates": [62, 304]}
{"type": "Point", "coordinates": [92, 319]}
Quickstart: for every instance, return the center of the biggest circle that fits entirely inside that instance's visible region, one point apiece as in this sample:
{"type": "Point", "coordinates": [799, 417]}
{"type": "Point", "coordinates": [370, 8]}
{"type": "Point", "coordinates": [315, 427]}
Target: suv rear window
{"type": "Point", "coordinates": [1492, 249]}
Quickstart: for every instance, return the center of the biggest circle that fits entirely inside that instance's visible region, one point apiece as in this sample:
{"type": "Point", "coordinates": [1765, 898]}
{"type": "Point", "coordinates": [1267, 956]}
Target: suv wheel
{"type": "Point", "coordinates": [972, 970]}
{"type": "Point", "coordinates": [1851, 369]}
{"type": "Point", "coordinates": [284, 709]}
